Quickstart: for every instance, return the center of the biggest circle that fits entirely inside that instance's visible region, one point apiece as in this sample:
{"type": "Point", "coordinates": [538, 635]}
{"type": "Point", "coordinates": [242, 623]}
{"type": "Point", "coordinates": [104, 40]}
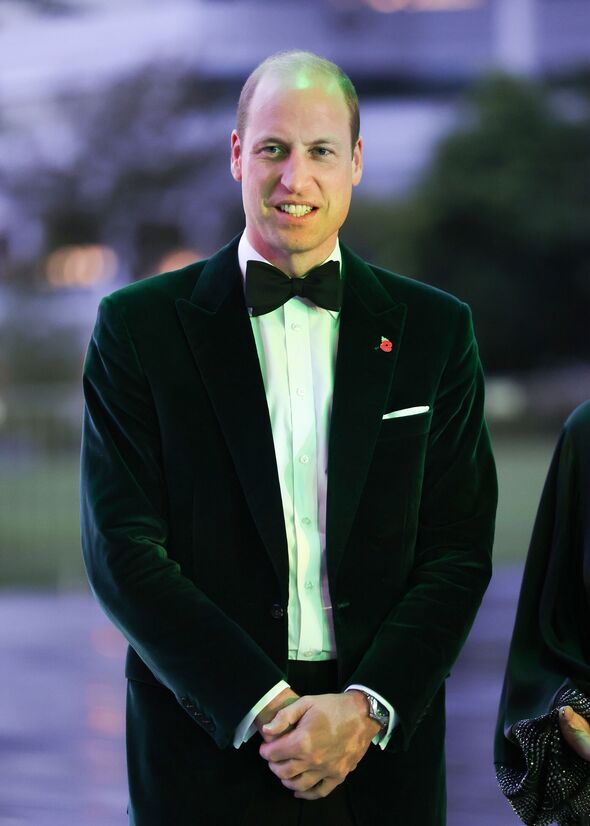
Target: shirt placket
{"type": "Point", "coordinates": [305, 480]}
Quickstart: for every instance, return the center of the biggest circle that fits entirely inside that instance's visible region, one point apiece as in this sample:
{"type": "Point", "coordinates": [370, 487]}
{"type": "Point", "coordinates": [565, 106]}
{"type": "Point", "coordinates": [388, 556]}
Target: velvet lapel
{"type": "Point", "coordinates": [218, 329]}
{"type": "Point", "coordinates": [362, 385]}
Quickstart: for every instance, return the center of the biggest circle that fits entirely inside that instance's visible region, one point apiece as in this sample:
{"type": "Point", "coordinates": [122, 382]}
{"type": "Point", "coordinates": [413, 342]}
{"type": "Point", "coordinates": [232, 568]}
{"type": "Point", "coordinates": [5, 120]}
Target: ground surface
{"type": "Point", "coordinates": [62, 760]}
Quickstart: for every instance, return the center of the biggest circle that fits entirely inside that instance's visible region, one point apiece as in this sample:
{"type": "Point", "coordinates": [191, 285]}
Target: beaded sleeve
{"type": "Point", "coordinates": [554, 784]}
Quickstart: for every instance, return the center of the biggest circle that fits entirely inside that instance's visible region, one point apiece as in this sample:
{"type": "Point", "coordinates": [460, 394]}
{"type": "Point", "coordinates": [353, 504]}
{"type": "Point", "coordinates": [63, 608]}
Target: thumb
{"type": "Point", "coordinates": [572, 721]}
{"type": "Point", "coordinates": [286, 718]}
{"type": "Point", "coordinates": [575, 730]}
{"type": "Point", "coordinates": [566, 713]}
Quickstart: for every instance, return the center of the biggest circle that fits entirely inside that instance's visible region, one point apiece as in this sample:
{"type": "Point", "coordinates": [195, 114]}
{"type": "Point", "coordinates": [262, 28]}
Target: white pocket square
{"type": "Point", "coordinates": [407, 411]}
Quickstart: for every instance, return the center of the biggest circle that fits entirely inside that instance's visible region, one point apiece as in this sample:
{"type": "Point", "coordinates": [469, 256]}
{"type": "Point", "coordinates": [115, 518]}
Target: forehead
{"type": "Point", "coordinates": [300, 100]}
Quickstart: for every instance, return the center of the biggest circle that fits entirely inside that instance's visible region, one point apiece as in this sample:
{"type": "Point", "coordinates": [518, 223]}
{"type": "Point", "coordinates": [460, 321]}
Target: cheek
{"type": "Point", "coordinates": [254, 197]}
{"type": "Point", "coordinates": [342, 189]}
{"type": "Point", "coordinates": [339, 204]}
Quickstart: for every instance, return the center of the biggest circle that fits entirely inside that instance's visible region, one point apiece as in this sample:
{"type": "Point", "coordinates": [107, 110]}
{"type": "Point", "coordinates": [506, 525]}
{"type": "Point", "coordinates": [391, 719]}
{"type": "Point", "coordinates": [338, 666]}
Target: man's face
{"type": "Point", "coordinates": [296, 150]}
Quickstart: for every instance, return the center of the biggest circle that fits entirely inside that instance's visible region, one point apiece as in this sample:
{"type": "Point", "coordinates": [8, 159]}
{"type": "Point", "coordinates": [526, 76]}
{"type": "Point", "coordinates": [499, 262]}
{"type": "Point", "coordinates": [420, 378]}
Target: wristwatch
{"type": "Point", "coordinates": [377, 711]}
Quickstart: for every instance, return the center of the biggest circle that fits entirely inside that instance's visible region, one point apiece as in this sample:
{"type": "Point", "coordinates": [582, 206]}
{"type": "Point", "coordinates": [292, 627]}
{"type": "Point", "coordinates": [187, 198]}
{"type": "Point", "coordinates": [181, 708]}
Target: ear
{"type": "Point", "coordinates": [236, 156]}
{"type": "Point", "coordinates": [357, 163]}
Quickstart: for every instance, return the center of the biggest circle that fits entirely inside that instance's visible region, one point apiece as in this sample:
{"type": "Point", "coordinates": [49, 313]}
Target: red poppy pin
{"type": "Point", "coordinates": [385, 345]}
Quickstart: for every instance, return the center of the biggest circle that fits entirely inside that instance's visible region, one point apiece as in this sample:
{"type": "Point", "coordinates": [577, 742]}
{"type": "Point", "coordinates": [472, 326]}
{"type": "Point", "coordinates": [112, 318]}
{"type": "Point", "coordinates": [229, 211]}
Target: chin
{"type": "Point", "coordinates": [289, 244]}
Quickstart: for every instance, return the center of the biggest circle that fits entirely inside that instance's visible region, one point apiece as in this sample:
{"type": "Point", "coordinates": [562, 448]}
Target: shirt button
{"type": "Point", "coordinates": [306, 520]}
{"type": "Point", "coordinates": [296, 327]}
{"type": "Point", "coordinates": [304, 459]}
{"type": "Point", "coordinates": [308, 654]}
{"type": "Point", "coordinates": [277, 611]}
{"type": "Point", "coordinates": [301, 391]}
{"type": "Point", "coordinates": [308, 585]}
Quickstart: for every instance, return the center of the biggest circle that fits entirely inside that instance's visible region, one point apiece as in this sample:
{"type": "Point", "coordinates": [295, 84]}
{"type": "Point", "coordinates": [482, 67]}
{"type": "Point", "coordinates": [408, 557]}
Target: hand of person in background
{"type": "Point", "coordinates": [575, 730]}
{"type": "Point", "coordinates": [324, 736]}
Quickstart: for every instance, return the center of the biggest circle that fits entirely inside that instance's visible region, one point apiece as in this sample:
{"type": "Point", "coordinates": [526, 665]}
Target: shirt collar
{"type": "Point", "coordinates": [246, 252]}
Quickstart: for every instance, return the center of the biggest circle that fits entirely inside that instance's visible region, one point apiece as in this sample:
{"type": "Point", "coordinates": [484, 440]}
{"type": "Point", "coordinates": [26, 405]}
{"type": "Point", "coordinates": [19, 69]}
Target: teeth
{"type": "Point", "coordinates": [294, 209]}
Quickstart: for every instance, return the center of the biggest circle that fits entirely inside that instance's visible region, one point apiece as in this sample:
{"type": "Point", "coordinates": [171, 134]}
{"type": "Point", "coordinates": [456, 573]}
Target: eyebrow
{"type": "Point", "coordinates": [274, 139]}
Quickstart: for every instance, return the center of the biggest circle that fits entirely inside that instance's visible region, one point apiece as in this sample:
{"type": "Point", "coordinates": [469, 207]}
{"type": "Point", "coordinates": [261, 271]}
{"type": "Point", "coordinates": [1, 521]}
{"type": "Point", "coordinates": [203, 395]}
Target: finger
{"type": "Point", "coordinates": [270, 738]}
{"type": "Point", "coordinates": [321, 789]}
{"type": "Point", "coordinates": [576, 731]}
{"type": "Point", "coordinates": [568, 718]}
{"type": "Point", "coordinates": [580, 723]}
{"type": "Point", "coordinates": [288, 769]}
{"type": "Point", "coordinates": [303, 782]}
{"type": "Point", "coordinates": [286, 718]}
{"type": "Point", "coordinates": [286, 747]}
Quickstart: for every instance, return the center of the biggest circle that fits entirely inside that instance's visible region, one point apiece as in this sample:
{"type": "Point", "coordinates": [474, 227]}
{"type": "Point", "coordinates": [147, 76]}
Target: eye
{"type": "Point", "coordinates": [269, 149]}
{"type": "Point", "coordinates": [323, 149]}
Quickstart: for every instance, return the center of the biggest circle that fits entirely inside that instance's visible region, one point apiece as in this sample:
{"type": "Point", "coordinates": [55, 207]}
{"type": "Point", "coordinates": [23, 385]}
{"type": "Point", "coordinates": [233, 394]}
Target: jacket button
{"type": "Point", "coordinates": [277, 611]}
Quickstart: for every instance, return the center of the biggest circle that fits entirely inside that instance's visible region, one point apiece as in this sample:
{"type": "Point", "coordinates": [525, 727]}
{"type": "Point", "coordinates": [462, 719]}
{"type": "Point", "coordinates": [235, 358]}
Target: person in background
{"type": "Point", "coordinates": [288, 497]}
{"type": "Point", "coordinates": [542, 744]}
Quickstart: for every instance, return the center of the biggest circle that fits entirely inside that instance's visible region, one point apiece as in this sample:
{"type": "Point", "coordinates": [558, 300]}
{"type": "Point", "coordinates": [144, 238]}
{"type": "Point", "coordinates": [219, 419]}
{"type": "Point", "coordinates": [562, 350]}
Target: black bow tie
{"type": "Point", "coordinates": [268, 288]}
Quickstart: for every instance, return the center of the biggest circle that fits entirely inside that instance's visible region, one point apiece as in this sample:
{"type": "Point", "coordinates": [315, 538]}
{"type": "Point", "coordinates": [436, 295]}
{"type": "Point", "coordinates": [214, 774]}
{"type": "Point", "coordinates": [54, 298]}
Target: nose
{"type": "Point", "coordinates": [295, 173]}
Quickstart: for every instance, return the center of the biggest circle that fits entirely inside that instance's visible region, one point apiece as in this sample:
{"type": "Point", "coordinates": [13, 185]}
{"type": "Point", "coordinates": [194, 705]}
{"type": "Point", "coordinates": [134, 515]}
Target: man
{"type": "Point", "coordinates": [288, 497]}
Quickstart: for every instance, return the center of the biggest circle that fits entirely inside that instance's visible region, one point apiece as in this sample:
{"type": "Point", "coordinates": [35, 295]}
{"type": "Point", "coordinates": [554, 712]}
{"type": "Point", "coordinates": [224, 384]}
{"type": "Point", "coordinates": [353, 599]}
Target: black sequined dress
{"type": "Point", "coordinates": [549, 661]}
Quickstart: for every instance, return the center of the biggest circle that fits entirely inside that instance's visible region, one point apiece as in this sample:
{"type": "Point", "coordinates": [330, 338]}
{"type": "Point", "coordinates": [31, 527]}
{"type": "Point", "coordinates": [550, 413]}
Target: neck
{"type": "Point", "coordinates": [295, 264]}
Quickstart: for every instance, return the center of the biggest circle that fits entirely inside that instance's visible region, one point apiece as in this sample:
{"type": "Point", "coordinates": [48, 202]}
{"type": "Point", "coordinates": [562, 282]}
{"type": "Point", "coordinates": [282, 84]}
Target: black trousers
{"type": "Point", "coordinates": [165, 789]}
{"type": "Point", "coordinates": [277, 804]}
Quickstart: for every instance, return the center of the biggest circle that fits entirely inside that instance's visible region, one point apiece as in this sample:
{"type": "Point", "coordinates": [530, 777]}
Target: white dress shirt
{"type": "Point", "coordinates": [296, 346]}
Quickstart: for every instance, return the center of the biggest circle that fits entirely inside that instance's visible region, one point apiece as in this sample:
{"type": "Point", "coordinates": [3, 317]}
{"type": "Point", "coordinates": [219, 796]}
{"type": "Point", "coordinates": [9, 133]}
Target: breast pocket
{"type": "Point", "coordinates": [406, 426]}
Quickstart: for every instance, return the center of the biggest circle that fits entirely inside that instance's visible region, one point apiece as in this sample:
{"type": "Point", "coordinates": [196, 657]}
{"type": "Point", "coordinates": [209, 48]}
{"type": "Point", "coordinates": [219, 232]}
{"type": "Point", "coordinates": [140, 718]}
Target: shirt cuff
{"type": "Point", "coordinates": [381, 739]}
{"type": "Point", "coordinates": [247, 727]}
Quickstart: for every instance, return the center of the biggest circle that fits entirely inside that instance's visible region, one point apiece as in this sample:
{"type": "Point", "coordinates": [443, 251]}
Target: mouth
{"type": "Point", "coordinates": [296, 212]}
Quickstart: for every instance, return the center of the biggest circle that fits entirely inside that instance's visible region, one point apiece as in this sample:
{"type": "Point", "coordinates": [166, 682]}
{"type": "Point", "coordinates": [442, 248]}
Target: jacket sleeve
{"type": "Point", "coordinates": [187, 642]}
{"type": "Point", "coordinates": [423, 634]}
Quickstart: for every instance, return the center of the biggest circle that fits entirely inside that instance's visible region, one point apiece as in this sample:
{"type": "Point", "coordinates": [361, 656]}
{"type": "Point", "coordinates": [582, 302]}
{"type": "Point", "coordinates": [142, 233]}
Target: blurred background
{"type": "Point", "coordinates": [114, 165]}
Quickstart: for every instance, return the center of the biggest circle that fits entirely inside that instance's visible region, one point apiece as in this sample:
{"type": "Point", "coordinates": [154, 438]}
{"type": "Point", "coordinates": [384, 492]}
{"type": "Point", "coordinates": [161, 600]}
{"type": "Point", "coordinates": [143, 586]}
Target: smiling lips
{"type": "Point", "coordinates": [296, 210]}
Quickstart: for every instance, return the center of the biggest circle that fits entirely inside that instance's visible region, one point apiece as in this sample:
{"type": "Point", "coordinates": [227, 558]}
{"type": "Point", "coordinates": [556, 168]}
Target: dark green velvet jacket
{"type": "Point", "coordinates": [182, 524]}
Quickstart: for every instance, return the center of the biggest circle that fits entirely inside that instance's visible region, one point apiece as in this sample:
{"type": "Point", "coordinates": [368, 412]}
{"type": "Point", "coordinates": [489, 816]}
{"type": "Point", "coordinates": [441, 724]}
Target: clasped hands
{"type": "Point", "coordinates": [312, 742]}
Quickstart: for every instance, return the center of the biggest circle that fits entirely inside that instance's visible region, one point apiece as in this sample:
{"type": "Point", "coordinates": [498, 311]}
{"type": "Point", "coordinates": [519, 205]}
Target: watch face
{"type": "Point", "coordinates": [378, 712]}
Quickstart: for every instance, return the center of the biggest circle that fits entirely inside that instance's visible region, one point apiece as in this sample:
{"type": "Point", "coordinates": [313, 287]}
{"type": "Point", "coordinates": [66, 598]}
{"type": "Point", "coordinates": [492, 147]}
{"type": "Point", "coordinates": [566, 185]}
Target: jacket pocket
{"type": "Point", "coordinates": [406, 426]}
